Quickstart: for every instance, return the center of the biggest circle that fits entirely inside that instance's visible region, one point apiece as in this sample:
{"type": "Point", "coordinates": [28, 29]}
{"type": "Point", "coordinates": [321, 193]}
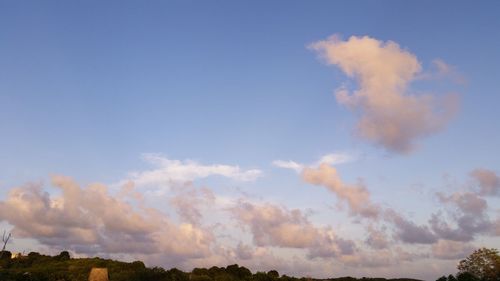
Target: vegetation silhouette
{"type": "Point", "coordinates": [38, 267]}
{"type": "Point", "coordinates": [482, 265]}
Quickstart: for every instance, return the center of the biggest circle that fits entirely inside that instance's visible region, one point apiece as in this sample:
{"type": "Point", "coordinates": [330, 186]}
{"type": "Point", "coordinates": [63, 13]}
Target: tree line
{"type": "Point", "coordinates": [38, 267]}
{"type": "Point", "coordinates": [482, 265]}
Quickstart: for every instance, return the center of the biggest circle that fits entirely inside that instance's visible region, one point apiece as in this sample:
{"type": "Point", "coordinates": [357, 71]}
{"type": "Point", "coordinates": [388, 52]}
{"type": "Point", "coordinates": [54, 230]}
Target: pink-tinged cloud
{"type": "Point", "coordinates": [390, 115]}
{"type": "Point", "coordinates": [380, 257]}
{"type": "Point", "coordinates": [276, 226]}
{"type": "Point", "coordinates": [356, 196]}
{"type": "Point", "coordinates": [467, 213]}
{"type": "Point", "coordinates": [496, 227]}
{"type": "Point", "coordinates": [447, 249]}
{"type": "Point", "coordinates": [90, 220]}
{"type": "Point", "coordinates": [466, 202]}
{"type": "Point", "coordinates": [468, 210]}
{"type": "Point", "coordinates": [188, 202]}
{"type": "Point", "coordinates": [488, 181]}
{"type": "Point", "coordinates": [440, 70]}
{"type": "Point", "coordinates": [377, 238]}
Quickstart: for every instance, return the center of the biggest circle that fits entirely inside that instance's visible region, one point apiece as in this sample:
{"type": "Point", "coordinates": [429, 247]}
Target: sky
{"type": "Point", "coordinates": [323, 139]}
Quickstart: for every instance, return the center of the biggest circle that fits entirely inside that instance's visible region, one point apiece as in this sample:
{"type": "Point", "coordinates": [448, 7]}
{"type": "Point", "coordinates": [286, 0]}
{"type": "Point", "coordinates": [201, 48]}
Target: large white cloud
{"type": "Point", "coordinates": [390, 114]}
{"type": "Point", "coordinates": [90, 220]}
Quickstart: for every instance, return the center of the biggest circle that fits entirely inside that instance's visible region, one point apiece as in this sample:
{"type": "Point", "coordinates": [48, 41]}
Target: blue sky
{"type": "Point", "coordinates": [89, 89]}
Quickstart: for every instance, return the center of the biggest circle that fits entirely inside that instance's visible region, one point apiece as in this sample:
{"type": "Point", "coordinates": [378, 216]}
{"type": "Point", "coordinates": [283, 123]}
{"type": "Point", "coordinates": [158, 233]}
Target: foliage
{"type": "Point", "coordinates": [466, 276]}
{"type": "Point", "coordinates": [63, 256]}
{"type": "Point", "coordinates": [273, 273]}
{"type": "Point", "coordinates": [38, 267]}
{"type": "Point", "coordinates": [483, 264]}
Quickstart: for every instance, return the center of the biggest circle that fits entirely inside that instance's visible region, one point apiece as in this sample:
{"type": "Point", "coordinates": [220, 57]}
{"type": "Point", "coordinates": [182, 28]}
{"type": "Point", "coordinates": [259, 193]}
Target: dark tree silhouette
{"type": "Point", "coordinates": [483, 264]}
{"type": "Point", "coordinates": [63, 256]}
{"type": "Point", "coordinates": [273, 274]}
{"type": "Point", "coordinates": [5, 239]}
{"type": "Point", "coordinates": [466, 276]}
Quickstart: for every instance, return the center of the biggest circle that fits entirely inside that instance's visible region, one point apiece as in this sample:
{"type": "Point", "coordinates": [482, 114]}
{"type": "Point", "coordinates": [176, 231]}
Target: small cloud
{"type": "Point", "coordinates": [356, 196]}
{"type": "Point", "coordinates": [488, 181]}
{"type": "Point", "coordinates": [292, 165]}
{"type": "Point", "coordinates": [440, 70]}
{"type": "Point", "coordinates": [334, 159]}
{"type": "Point", "coordinates": [329, 159]}
{"type": "Point", "coordinates": [442, 67]}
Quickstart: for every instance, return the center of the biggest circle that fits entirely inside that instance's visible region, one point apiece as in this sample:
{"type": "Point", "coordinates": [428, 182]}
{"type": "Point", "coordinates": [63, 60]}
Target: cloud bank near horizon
{"type": "Point", "coordinates": [98, 219]}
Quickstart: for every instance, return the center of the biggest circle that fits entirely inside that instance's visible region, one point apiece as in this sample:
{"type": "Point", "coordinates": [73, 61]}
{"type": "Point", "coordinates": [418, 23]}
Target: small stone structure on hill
{"type": "Point", "coordinates": [98, 274]}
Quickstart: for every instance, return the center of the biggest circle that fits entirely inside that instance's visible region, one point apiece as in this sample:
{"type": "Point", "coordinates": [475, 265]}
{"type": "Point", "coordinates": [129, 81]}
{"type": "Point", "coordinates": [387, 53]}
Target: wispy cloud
{"type": "Point", "coordinates": [167, 171]}
{"type": "Point", "coordinates": [329, 159]}
{"type": "Point", "coordinates": [440, 70]}
{"type": "Point", "coordinates": [356, 196]}
{"type": "Point", "coordinates": [390, 115]}
{"type": "Point", "coordinates": [487, 180]}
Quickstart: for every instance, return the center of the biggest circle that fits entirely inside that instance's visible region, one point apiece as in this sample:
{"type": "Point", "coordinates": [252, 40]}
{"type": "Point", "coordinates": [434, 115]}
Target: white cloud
{"type": "Point", "coordinates": [292, 165]}
{"type": "Point", "coordinates": [390, 115]}
{"type": "Point", "coordinates": [329, 159]}
{"type": "Point", "coordinates": [168, 171]}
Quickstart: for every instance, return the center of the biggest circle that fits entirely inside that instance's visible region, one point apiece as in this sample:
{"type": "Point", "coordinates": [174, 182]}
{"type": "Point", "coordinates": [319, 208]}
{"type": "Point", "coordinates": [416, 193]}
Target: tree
{"type": "Point", "coordinates": [484, 264]}
{"type": "Point", "coordinates": [466, 276]}
{"type": "Point", "coordinates": [239, 272]}
{"type": "Point", "coordinates": [273, 273]}
{"type": "Point", "coordinates": [5, 239]}
{"type": "Point", "coordinates": [261, 276]}
{"type": "Point", "coordinates": [63, 256]}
